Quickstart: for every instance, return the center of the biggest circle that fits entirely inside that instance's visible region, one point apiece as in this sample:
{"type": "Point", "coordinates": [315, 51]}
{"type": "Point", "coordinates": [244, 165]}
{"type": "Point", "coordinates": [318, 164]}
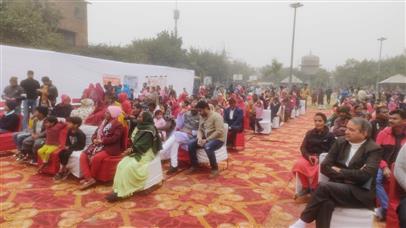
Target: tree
{"type": "Point", "coordinates": [272, 72]}
{"type": "Point", "coordinates": [29, 23]}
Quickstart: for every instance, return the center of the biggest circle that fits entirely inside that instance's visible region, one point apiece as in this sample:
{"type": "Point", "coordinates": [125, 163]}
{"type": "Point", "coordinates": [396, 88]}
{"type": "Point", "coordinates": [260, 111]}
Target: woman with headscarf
{"type": "Point", "coordinates": [86, 108]}
{"type": "Point", "coordinates": [63, 109]}
{"type": "Point", "coordinates": [132, 171]}
{"type": "Point", "coordinates": [125, 103]}
{"type": "Point", "coordinates": [106, 141]}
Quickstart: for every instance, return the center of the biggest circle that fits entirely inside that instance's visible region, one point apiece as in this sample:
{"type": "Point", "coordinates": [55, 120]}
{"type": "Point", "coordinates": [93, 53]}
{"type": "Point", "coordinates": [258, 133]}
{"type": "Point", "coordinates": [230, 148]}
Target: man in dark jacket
{"type": "Point", "coordinates": [351, 165]}
{"type": "Point", "coordinates": [10, 121]}
{"type": "Point", "coordinates": [30, 86]}
{"type": "Point", "coordinates": [233, 116]}
{"type": "Point", "coordinates": [13, 92]}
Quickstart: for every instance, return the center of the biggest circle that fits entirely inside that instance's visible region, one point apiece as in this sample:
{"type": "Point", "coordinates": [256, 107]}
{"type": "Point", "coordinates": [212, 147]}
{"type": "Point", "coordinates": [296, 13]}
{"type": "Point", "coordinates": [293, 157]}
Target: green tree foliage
{"type": "Point", "coordinates": [365, 73]}
{"type": "Point", "coordinates": [272, 72]}
{"type": "Point", "coordinates": [29, 23]}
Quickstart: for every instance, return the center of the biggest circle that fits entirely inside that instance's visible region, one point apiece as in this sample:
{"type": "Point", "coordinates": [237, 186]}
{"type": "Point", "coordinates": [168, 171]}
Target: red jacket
{"type": "Point", "coordinates": [112, 141]}
{"type": "Point", "coordinates": [386, 140]}
{"type": "Point", "coordinates": [53, 133]}
{"type": "Point", "coordinates": [125, 103]}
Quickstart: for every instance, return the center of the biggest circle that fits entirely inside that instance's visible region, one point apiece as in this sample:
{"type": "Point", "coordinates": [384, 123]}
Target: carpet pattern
{"type": "Point", "coordinates": [256, 190]}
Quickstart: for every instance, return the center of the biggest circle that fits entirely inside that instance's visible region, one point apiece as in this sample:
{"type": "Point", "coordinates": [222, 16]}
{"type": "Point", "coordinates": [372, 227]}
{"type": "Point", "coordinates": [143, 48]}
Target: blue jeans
{"type": "Point", "coordinates": [210, 147]}
{"type": "Point", "coordinates": [19, 137]}
{"type": "Point", "coordinates": [29, 106]}
{"type": "Point", "coordinates": [380, 191]}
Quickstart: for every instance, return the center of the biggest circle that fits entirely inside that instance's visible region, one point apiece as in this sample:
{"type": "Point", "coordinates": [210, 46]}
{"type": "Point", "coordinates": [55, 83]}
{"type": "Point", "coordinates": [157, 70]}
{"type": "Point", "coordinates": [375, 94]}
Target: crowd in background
{"type": "Point", "coordinates": [158, 121]}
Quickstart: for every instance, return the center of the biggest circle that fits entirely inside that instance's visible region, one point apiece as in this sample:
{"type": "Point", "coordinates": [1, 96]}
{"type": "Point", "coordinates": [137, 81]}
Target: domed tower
{"type": "Point", "coordinates": [310, 64]}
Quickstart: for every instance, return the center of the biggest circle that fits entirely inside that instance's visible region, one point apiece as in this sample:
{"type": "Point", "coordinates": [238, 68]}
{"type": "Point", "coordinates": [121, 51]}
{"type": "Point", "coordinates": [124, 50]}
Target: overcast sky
{"type": "Point", "coordinates": [257, 32]}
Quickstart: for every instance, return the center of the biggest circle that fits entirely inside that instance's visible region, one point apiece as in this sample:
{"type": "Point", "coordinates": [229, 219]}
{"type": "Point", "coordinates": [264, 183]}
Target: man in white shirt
{"type": "Point", "coordinates": [351, 166]}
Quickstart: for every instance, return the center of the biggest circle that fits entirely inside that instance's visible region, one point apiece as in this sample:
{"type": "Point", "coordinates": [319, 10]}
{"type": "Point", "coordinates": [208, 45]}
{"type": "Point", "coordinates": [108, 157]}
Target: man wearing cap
{"type": "Point", "coordinates": [9, 122]}
{"type": "Point", "coordinates": [13, 92]}
{"type": "Point", "coordinates": [30, 86]}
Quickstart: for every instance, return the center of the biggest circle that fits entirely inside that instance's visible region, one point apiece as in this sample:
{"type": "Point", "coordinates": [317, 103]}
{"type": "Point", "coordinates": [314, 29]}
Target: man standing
{"type": "Point", "coordinates": [48, 92]}
{"type": "Point", "coordinates": [233, 116]}
{"type": "Point", "coordinates": [400, 175]}
{"type": "Point", "coordinates": [305, 93]}
{"type": "Point", "coordinates": [329, 91]}
{"type": "Point", "coordinates": [391, 140]}
{"type": "Point", "coordinates": [351, 165]}
{"type": "Point", "coordinates": [210, 137]}
{"type": "Point", "coordinates": [30, 86]}
{"type": "Point", "coordinates": [13, 92]}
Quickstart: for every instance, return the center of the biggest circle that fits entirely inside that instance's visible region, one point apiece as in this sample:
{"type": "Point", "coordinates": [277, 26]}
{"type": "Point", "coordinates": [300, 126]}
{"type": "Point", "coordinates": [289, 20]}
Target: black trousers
{"type": "Point", "coordinates": [233, 135]}
{"type": "Point", "coordinates": [402, 213]}
{"type": "Point", "coordinates": [64, 156]}
{"type": "Point", "coordinates": [326, 197]}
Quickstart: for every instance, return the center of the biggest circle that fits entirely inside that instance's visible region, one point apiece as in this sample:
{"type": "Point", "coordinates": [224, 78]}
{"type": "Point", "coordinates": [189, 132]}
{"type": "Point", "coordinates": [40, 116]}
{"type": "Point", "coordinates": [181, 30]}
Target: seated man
{"type": "Point", "coordinates": [210, 137]}
{"type": "Point", "coordinates": [340, 124]}
{"type": "Point", "coordinates": [187, 131]}
{"type": "Point", "coordinates": [391, 140]}
{"type": "Point", "coordinates": [400, 175]}
{"type": "Point", "coordinates": [351, 165]}
{"type": "Point", "coordinates": [25, 140]}
{"type": "Point", "coordinates": [233, 116]}
{"type": "Point", "coordinates": [9, 122]}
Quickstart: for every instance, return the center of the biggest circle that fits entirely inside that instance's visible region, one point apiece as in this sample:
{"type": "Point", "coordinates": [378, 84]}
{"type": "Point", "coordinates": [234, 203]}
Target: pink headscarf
{"type": "Point", "coordinates": [114, 111]}
{"type": "Point", "coordinates": [65, 99]}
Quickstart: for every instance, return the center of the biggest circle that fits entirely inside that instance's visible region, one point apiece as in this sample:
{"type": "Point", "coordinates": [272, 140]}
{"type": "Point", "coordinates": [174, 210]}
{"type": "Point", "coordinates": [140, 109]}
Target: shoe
{"type": "Point", "coordinates": [214, 174]}
{"type": "Point", "coordinates": [33, 162]}
{"type": "Point", "coordinates": [191, 170]}
{"type": "Point", "coordinates": [112, 197]}
{"type": "Point", "coordinates": [58, 176]}
{"type": "Point", "coordinates": [172, 170]}
{"type": "Point", "coordinates": [303, 192]}
{"type": "Point", "coordinates": [380, 214]}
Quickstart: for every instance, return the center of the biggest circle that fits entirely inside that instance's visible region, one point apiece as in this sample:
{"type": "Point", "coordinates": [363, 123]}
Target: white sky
{"type": "Point", "coordinates": [256, 32]}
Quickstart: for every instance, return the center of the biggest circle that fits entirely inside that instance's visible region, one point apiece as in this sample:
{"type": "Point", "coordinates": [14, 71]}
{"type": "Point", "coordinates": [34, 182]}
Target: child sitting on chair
{"type": "Point", "coordinates": [75, 141]}
{"type": "Point", "coordinates": [160, 124]}
{"type": "Point", "coordinates": [53, 129]}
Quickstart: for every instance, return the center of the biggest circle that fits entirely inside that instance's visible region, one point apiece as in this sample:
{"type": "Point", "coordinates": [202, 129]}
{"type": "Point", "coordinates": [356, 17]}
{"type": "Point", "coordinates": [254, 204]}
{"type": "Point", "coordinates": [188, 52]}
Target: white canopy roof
{"type": "Point", "coordinates": [396, 79]}
{"type": "Point", "coordinates": [295, 80]}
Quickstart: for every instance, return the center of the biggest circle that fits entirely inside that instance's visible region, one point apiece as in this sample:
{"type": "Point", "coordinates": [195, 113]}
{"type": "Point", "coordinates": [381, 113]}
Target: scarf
{"type": "Point", "coordinates": [146, 137]}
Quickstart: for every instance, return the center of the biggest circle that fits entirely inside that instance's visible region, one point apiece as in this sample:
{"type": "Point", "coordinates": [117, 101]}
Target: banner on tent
{"type": "Point", "coordinates": [131, 81]}
{"type": "Point", "coordinates": [114, 79]}
{"type": "Point", "coordinates": [160, 80]}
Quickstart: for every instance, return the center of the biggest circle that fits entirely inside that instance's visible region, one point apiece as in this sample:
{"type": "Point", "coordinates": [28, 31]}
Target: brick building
{"type": "Point", "coordinates": [73, 24]}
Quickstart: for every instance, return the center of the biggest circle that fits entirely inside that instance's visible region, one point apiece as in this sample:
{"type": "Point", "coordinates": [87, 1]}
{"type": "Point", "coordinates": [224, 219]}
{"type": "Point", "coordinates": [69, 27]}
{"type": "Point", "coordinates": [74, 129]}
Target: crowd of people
{"type": "Point", "coordinates": [363, 136]}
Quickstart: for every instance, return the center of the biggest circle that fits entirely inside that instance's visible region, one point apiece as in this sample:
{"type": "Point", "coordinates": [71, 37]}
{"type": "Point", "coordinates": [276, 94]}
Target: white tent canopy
{"type": "Point", "coordinates": [295, 80]}
{"type": "Point", "coordinates": [396, 79]}
{"type": "Point", "coordinates": [71, 74]}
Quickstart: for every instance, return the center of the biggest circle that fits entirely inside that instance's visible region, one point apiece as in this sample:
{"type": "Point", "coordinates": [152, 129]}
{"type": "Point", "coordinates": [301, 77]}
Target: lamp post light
{"type": "Point", "coordinates": [294, 6]}
{"type": "Point", "coordinates": [381, 39]}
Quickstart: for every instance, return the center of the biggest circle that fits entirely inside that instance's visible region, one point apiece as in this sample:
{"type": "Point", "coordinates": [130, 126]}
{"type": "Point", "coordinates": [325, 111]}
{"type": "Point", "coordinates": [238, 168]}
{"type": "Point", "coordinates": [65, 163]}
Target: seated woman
{"type": "Point", "coordinates": [63, 109]}
{"type": "Point", "coordinates": [317, 141]}
{"type": "Point", "coordinates": [86, 108]}
{"type": "Point", "coordinates": [106, 142]}
{"type": "Point", "coordinates": [132, 171]}
{"type": "Point", "coordinates": [10, 120]}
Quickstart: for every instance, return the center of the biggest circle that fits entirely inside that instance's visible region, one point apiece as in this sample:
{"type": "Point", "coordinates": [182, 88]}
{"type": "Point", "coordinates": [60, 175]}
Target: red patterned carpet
{"type": "Point", "coordinates": [255, 191]}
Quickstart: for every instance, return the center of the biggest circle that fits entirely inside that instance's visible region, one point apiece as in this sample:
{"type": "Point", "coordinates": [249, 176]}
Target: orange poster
{"type": "Point", "coordinates": [114, 79]}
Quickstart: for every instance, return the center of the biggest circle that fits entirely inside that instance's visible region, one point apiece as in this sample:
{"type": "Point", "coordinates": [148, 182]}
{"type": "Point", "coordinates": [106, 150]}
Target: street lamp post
{"type": "Point", "coordinates": [294, 6]}
{"type": "Point", "coordinates": [381, 39]}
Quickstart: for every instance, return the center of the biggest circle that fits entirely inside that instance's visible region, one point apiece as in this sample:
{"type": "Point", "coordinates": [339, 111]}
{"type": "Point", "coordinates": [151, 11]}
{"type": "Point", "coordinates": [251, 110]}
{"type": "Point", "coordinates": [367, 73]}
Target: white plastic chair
{"type": "Point", "coordinates": [221, 154]}
{"type": "Point", "coordinates": [266, 122]}
{"type": "Point", "coordinates": [347, 217]}
{"type": "Point", "coordinates": [74, 159]}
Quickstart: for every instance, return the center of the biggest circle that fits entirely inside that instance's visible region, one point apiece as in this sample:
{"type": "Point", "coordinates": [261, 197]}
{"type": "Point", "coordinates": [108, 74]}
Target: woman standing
{"type": "Point", "coordinates": [317, 141]}
{"type": "Point", "coordinates": [132, 171]}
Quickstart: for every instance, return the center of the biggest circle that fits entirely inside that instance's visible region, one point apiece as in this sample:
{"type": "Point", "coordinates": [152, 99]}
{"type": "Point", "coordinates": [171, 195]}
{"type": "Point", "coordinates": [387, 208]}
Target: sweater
{"type": "Point", "coordinates": [30, 87]}
{"type": "Point", "coordinates": [211, 127]}
{"type": "Point", "coordinates": [52, 134]}
{"type": "Point", "coordinates": [9, 121]}
{"type": "Point", "coordinates": [75, 140]}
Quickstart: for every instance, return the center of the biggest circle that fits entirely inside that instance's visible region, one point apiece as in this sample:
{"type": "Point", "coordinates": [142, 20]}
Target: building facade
{"type": "Point", "coordinates": [73, 22]}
